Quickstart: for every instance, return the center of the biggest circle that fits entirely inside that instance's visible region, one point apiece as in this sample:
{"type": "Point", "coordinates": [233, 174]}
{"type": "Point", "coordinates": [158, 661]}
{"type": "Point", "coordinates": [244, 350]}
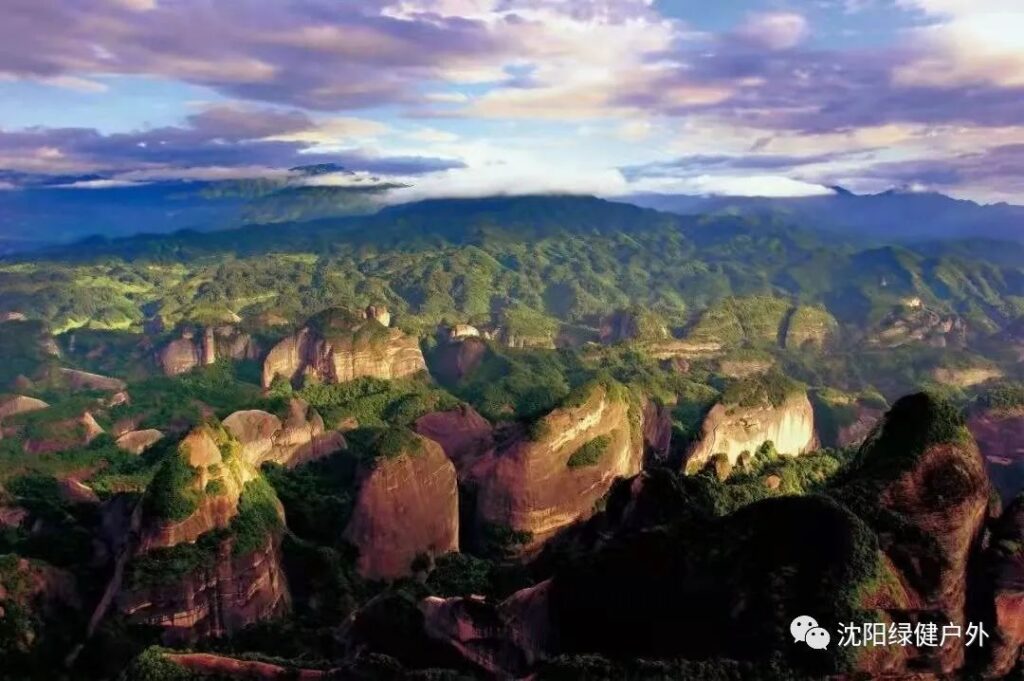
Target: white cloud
{"type": "Point", "coordinates": [774, 30]}
{"type": "Point", "coordinates": [732, 185]}
{"type": "Point", "coordinates": [77, 84]}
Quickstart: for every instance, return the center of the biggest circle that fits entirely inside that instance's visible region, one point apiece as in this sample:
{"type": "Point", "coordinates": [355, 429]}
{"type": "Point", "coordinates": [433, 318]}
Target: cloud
{"type": "Point", "coordinates": [774, 30]}
{"type": "Point", "coordinates": [212, 141]}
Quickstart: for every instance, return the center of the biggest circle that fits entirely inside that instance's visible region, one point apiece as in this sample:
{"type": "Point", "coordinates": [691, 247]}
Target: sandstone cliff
{"type": "Point", "coordinates": [540, 483]}
{"type": "Point", "coordinates": [207, 559]}
{"type": "Point", "coordinates": [407, 506]}
{"type": "Point", "coordinates": [454, 360]}
{"type": "Point", "coordinates": [464, 435]}
{"type": "Point", "coordinates": [19, 404]}
{"type": "Point", "coordinates": [338, 346]}
{"type": "Point", "coordinates": [201, 347]}
{"type": "Point", "coordinates": [1000, 437]}
{"type": "Point", "coordinates": [1005, 566]}
{"type": "Point", "coordinates": [734, 429]}
{"type": "Point", "coordinates": [920, 483]}
{"type": "Point", "coordinates": [138, 441]}
{"type": "Point", "coordinates": [300, 438]}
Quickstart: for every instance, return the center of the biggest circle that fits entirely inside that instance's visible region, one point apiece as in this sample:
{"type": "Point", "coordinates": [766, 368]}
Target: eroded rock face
{"type": "Point", "coordinates": [1000, 437]}
{"type": "Point", "coordinates": [237, 591]}
{"type": "Point", "coordinates": [657, 432]}
{"type": "Point", "coordinates": [338, 346]}
{"type": "Point", "coordinates": [916, 324]}
{"type": "Point", "coordinates": [463, 434]}
{"type": "Point", "coordinates": [227, 587]}
{"type": "Point", "coordinates": [198, 348]}
{"type": "Point", "coordinates": [300, 438]}
{"type": "Point", "coordinates": [966, 377]}
{"type": "Point", "coordinates": [83, 380]}
{"type": "Point", "coordinates": [19, 404]}
{"type": "Point", "coordinates": [455, 360]}
{"type": "Point", "coordinates": [138, 441]}
{"type": "Point", "coordinates": [64, 435]}
{"type": "Point", "coordinates": [407, 506]}
{"type": "Point", "coordinates": [1005, 563]}
{"type": "Point", "coordinates": [924, 468]}
{"type": "Point", "coordinates": [529, 485]}
{"type": "Point", "coordinates": [732, 430]}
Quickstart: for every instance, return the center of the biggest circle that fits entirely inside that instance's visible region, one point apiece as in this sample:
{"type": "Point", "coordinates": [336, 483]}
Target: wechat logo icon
{"type": "Point", "coordinates": [806, 630]}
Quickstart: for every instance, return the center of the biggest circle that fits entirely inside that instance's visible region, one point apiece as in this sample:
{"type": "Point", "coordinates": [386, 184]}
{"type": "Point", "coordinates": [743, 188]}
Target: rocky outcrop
{"type": "Point", "coordinates": [83, 380]}
{"type": "Point", "coordinates": [542, 482]}
{"type": "Point", "coordinates": [633, 325]}
{"type": "Point", "coordinates": [966, 377]}
{"type": "Point", "coordinates": [1000, 437]}
{"type": "Point", "coordinates": [138, 441]}
{"type": "Point", "coordinates": [64, 435]}
{"type": "Point", "coordinates": [300, 438]}
{"type": "Point", "coordinates": [809, 328]}
{"type": "Point", "coordinates": [231, 575]}
{"type": "Point", "coordinates": [684, 349]}
{"type": "Point", "coordinates": [454, 360]}
{"type": "Point", "coordinates": [503, 640]}
{"type": "Point", "coordinates": [1005, 565]}
{"type": "Point", "coordinates": [19, 404]}
{"type": "Point", "coordinates": [338, 346]}
{"type": "Point", "coordinates": [909, 325]}
{"type": "Point", "coordinates": [464, 435]}
{"type": "Point", "coordinates": [734, 429]}
{"type": "Point", "coordinates": [196, 348]}
{"type": "Point", "coordinates": [657, 432]}
{"type": "Point", "coordinates": [222, 667]}
{"type": "Point", "coordinates": [407, 506]}
{"type": "Point", "coordinates": [845, 420]}
{"type": "Point", "coordinates": [921, 485]}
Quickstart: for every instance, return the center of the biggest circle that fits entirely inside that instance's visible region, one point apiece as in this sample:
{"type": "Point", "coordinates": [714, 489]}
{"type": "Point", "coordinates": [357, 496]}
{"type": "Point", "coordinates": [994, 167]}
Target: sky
{"type": "Point", "coordinates": [476, 97]}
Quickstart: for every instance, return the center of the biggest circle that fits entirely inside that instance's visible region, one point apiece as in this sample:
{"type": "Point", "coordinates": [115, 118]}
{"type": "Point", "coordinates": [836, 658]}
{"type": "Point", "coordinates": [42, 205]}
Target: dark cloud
{"type": "Point", "coordinates": [999, 167]}
{"type": "Point", "coordinates": [218, 137]}
{"type": "Point", "coordinates": [321, 54]}
{"type": "Point", "coordinates": [815, 91]}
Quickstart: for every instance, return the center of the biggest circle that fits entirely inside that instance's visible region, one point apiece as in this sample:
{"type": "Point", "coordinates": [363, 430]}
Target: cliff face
{"type": "Point", "coordinates": [300, 438]}
{"type": "Point", "coordinates": [541, 485]}
{"type": "Point", "coordinates": [338, 346]}
{"type": "Point", "coordinates": [19, 404]}
{"type": "Point", "coordinates": [138, 441]}
{"type": "Point", "coordinates": [732, 430]}
{"type": "Point", "coordinates": [464, 435]}
{"type": "Point", "coordinates": [1000, 437]}
{"type": "Point", "coordinates": [1005, 563]}
{"type": "Point", "coordinates": [407, 506]}
{"type": "Point", "coordinates": [915, 324]}
{"type": "Point", "coordinates": [456, 359]}
{"type": "Point", "coordinates": [199, 348]}
{"type": "Point", "coordinates": [222, 577]}
{"type": "Point", "coordinates": [921, 485]}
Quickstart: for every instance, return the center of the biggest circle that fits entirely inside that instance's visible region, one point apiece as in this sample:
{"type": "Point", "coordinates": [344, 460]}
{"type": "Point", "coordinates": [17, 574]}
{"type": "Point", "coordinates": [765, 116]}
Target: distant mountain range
{"type": "Point", "coordinates": [892, 216]}
{"type": "Point", "coordinates": [42, 211]}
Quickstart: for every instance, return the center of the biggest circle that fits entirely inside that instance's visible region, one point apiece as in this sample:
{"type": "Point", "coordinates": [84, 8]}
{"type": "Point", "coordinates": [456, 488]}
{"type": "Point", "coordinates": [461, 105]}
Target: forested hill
{"type": "Point", "coordinates": [557, 259]}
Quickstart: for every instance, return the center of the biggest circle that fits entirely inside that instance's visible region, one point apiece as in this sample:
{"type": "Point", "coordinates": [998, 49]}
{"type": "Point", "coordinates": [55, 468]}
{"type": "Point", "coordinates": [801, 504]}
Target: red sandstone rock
{"type": "Point", "coordinates": [463, 434]}
{"type": "Point", "coordinates": [300, 438]}
{"type": "Point", "coordinates": [455, 360]}
{"type": "Point", "coordinates": [138, 441]}
{"type": "Point", "coordinates": [407, 506]}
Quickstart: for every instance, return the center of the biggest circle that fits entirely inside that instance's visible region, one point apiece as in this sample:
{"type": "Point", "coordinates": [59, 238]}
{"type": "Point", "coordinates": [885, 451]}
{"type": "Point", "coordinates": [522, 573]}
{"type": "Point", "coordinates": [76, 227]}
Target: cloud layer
{"type": "Point", "coordinates": [470, 96]}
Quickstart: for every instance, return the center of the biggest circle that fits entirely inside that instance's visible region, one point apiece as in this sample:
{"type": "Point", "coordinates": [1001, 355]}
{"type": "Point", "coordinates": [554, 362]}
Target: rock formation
{"type": "Point", "coordinates": [540, 483]}
{"type": "Point", "coordinates": [83, 380]}
{"type": "Point", "coordinates": [19, 404]}
{"type": "Point", "coordinates": [1005, 566]}
{"type": "Point", "coordinates": [906, 325]}
{"type": "Point", "coordinates": [407, 506]}
{"type": "Point", "coordinates": [809, 328]}
{"type": "Point", "coordinates": [199, 348]}
{"type": "Point", "coordinates": [657, 432]}
{"type": "Point", "coordinates": [633, 325]}
{"type": "Point", "coordinates": [338, 346]}
{"type": "Point", "coordinates": [845, 420]}
{"type": "Point", "coordinates": [300, 438]}
{"type": "Point", "coordinates": [63, 435]}
{"type": "Point", "coordinates": [215, 568]}
{"type": "Point", "coordinates": [452, 361]}
{"type": "Point", "coordinates": [1000, 437]}
{"type": "Point", "coordinates": [966, 377]}
{"type": "Point", "coordinates": [138, 441]}
{"type": "Point", "coordinates": [463, 434]}
{"type": "Point", "coordinates": [920, 484]}
{"type": "Point", "coordinates": [734, 429]}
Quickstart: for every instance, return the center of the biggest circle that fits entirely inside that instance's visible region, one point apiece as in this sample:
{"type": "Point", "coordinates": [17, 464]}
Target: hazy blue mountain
{"type": "Point", "coordinates": [890, 216]}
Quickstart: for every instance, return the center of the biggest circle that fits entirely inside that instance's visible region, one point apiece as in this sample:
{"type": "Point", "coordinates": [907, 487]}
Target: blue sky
{"type": "Point", "coordinates": [469, 97]}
